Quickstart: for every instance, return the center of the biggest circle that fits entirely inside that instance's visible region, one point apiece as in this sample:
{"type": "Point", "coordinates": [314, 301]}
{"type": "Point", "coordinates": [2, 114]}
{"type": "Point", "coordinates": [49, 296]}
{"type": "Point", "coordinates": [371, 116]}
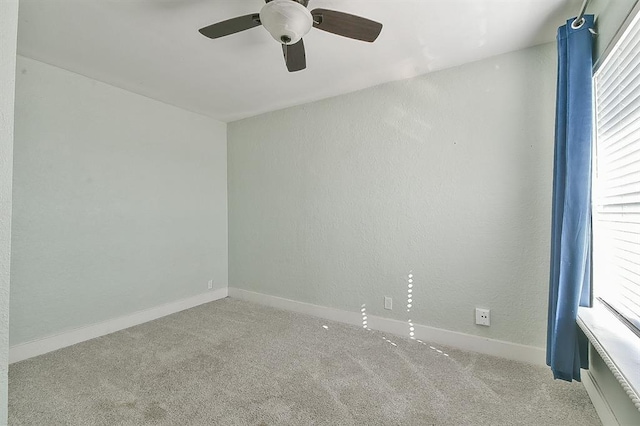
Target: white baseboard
{"type": "Point", "coordinates": [57, 341]}
{"type": "Point", "coordinates": [599, 401]}
{"type": "Point", "coordinates": [513, 351]}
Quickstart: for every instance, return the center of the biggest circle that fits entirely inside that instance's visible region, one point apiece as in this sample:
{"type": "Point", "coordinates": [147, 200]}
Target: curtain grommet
{"type": "Point", "coordinates": [577, 24]}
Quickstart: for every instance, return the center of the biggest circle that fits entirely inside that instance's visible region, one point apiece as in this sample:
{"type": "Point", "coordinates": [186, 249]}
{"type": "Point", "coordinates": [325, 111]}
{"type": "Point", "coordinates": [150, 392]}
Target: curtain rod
{"type": "Point", "coordinates": [577, 23]}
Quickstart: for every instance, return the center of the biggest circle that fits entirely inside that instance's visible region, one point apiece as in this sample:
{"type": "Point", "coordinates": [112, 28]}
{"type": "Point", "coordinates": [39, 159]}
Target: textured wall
{"type": "Point", "coordinates": [120, 202]}
{"type": "Point", "coordinates": [447, 175]}
{"type": "Point", "coordinates": [8, 35]}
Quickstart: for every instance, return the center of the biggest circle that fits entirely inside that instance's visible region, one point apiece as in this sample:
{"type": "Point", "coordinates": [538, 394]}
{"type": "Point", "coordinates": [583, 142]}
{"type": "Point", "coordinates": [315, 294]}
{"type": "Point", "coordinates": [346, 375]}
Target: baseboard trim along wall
{"type": "Point", "coordinates": [599, 401]}
{"type": "Point", "coordinates": [513, 351]}
{"type": "Point", "coordinates": [27, 350]}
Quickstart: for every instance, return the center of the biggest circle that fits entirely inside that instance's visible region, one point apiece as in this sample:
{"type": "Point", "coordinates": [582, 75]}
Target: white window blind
{"type": "Point", "coordinates": [616, 177]}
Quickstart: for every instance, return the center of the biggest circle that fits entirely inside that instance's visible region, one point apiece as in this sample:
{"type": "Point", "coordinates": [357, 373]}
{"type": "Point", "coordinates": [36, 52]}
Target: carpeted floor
{"type": "Point", "coordinates": [236, 363]}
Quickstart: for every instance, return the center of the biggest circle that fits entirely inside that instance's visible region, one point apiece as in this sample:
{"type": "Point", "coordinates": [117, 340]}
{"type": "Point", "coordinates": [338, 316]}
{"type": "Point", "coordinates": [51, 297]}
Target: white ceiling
{"type": "Point", "coordinates": [152, 47]}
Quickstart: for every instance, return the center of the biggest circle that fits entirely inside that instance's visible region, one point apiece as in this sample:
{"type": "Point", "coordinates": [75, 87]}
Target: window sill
{"type": "Point", "coordinates": [618, 346]}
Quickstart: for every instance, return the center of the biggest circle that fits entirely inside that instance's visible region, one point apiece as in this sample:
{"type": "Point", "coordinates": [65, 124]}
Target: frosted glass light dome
{"type": "Point", "coordinates": [286, 20]}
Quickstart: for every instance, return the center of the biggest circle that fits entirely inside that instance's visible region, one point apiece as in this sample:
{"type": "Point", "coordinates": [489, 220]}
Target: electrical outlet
{"type": "Point", "coordinates": [483, 317]}
{"type": "Point", "coordinates": [210, 284]}
{"type": "Point", "coordinates": [388, 303]}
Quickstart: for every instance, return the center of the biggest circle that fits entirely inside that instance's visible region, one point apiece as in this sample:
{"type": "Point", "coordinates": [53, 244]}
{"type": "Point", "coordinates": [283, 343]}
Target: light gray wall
{"type": "Point", "coordinates": [120, 202]}
{"type": "Point", "coordinates": [8, 36]}
{"type": "Point", "coordinates": [447, 175]}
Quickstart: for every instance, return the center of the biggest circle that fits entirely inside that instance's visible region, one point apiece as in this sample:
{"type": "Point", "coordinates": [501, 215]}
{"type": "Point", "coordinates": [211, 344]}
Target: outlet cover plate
{"type": "Point", "coordinates": [483, 317]}
{"type": "Point", "coordinates": [388, 303]}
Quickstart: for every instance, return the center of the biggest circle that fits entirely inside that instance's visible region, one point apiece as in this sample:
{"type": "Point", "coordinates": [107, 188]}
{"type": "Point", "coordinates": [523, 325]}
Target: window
{"type": "Point", "coordinates": [616, 211]}
{"type": "Point", "coordinates": [616, 178]}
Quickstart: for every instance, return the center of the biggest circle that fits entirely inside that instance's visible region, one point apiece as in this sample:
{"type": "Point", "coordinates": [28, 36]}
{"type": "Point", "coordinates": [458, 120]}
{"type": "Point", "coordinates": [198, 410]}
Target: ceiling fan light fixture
{"type": "Point", "coordinates": [287, 21]}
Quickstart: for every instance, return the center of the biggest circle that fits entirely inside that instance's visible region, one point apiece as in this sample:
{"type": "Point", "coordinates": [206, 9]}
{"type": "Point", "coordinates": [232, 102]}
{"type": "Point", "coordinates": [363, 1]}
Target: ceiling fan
{"type": "Point", "coordinates": [289, 20]}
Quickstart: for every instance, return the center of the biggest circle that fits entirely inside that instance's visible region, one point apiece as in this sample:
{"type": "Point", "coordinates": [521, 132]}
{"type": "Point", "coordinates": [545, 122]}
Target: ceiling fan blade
{"type": "Point", "coordinates": [346, 25]}
{"type": "Point", "coordinates": [231, 26]}
{"type": "Point", "coordinates": [295, 56]}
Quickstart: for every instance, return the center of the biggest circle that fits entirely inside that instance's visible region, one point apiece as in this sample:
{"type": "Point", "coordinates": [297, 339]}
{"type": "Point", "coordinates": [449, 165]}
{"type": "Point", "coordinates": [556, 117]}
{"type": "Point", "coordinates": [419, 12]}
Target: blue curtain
{"type": "Point", "coordinates": [569, 286]}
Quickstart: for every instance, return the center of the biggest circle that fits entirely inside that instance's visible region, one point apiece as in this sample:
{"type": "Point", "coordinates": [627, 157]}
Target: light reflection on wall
{"type": "Point", "coordinates": [410, 300]}
{"type": "Point", "coordinates": [412, 328]}
{"type": "Point", "coordinates": [410, 303]}
{"type": "Point", "coordinates": [365, 321]}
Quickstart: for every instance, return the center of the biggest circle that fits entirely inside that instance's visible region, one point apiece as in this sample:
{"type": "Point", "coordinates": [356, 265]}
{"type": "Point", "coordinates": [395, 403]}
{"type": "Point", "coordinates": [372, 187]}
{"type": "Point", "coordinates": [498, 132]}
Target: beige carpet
{"type": "Point", "coordinates": [236, 363]}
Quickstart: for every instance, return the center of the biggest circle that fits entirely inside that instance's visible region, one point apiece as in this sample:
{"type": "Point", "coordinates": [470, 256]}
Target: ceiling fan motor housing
{"type": "Point", "coordinates": [287, 21]}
